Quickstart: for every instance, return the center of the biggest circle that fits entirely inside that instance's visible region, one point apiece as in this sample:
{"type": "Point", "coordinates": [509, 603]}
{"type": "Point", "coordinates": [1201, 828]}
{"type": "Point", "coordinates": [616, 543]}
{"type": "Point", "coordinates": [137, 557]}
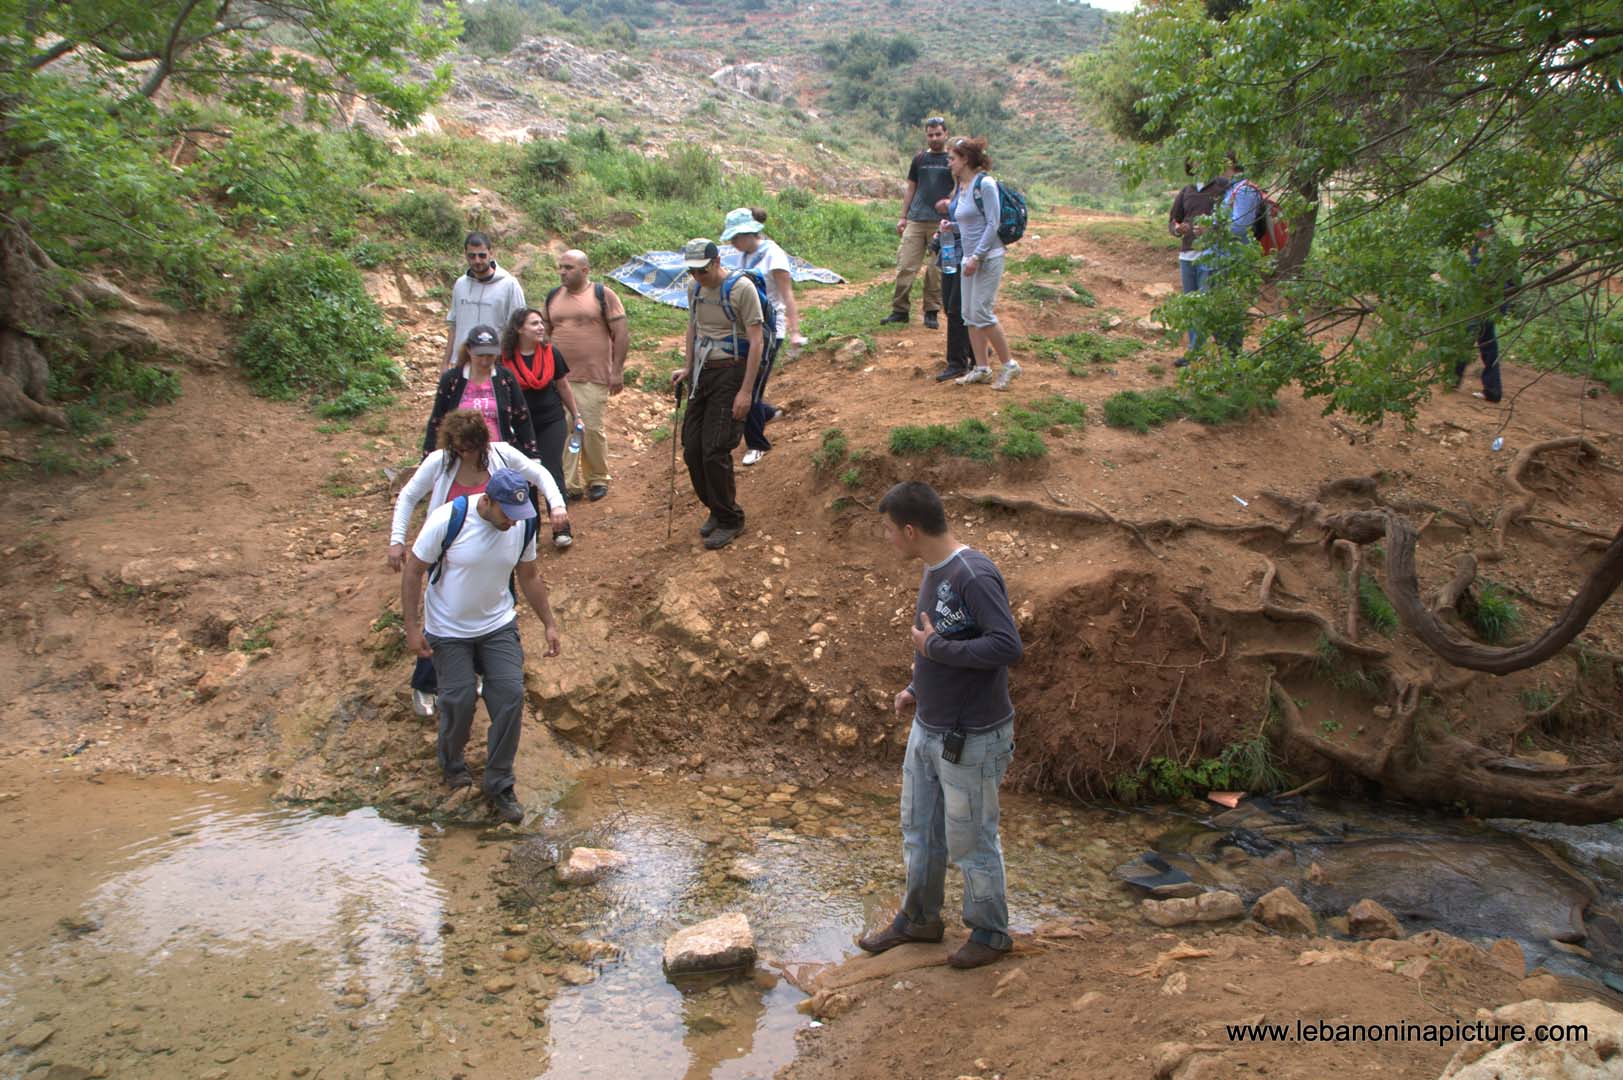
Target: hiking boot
{"type": "Point", "coordinates": [423, 703]}
{"type": "Point", "coordinates": [506, 807]}
{"type": "Point", "coordinates": [931, 322]}
{"type": "Point", "coordinates": [1182, 361]}
{"type": "Point", "coordinates": [890, 937]}
{"type": "Point", "coordinates": [562, 536]}
{"type": "Point", "coordinates": [974, 375]}
{"type": "Point", "coordinates": [596, 492]}
{"type": "Point", "coordinates": [972, 954]}
{"type": "Point", "coordinates": [1006, 376]}
{"type": "Point", "coordinates": [894, 317]}
{"type": "Point", "coordinates": [458, 780]}
{"type": "Point", "coordinates": [723, 536]}
{"type": "Point", "coordinates": [710, 525]}
{"type": "Point", "coordinates": [752, 456]}
{"type": "Point", "coordinates": [950, 374]}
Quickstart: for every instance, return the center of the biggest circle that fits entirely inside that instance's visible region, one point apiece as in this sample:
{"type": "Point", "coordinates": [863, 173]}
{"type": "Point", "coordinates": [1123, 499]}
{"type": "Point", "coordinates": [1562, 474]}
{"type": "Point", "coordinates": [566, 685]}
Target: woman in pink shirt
{"type": "Point", "coordinates": [483, 385]}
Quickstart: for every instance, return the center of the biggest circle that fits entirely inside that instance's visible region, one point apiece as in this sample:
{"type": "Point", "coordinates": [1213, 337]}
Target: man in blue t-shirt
{"type": "Point", "coordinates": [929, 180]}
{"type": "Point", "coordinates": [962, 740]}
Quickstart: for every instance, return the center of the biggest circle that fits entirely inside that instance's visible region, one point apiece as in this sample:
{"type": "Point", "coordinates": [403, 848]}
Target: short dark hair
{"type": "Point", "coordinates": [758, 213]}
{"type": "Point", "coordinates": [476, 239]}
{"type": "Point", "coordinates": [915, 503]}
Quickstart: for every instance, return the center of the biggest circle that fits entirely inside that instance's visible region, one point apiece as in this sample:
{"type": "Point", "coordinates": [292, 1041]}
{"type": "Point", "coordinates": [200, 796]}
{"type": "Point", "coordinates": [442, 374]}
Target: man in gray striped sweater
{"type": "Point", "coordinates": [962, 740]}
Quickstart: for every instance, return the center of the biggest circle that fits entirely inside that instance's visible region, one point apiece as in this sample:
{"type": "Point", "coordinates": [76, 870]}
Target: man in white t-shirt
{"type": "Point", "coordinates": [472, 623]}
{"type": "Point", "coordinates": [745, 230]}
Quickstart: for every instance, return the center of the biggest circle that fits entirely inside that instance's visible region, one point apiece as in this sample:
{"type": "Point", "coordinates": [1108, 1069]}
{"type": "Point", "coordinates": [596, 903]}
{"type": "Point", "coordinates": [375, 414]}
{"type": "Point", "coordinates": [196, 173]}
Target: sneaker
{"type": "Point", "coordinates": [478, 686]}
{"type": "Point", "coordinates": [894, 317]}
{"type": "Point", "coordinates": [890, 937]}
{"type": "Point", "coordinates": [752, 456]}
{"type": "Point", "coordinates": [423, 703]}
{"type": "Point", "coordinates": [562, 536]}
{"type": "Point", "coordinates": [950, 373]}
{"type": "Point", "coordinates": [596, 492]}
{"type": "Point", "coordinates": [1480, 396]}
{"type": "Point", "coordinates": [710, 525]}
{"type": "Point", "coordinates": [974, 375]}
{"type": "Point", "coordinates": [972, 954]}
{"type": "Point", "coordinates": [777, 414]}
{"type": "Point", "coordinates": [508, 810]}
{"type": "Point", "coordinates": [931, 322]}
{"type": "Point", "coordinates": [1180, 362]}
{"type": "Point", "coordinates": [722, 536]}
{"type": "Point", "coordinates": [458, 780]}
{"type": "Point", "coordinates": [1006, 376]}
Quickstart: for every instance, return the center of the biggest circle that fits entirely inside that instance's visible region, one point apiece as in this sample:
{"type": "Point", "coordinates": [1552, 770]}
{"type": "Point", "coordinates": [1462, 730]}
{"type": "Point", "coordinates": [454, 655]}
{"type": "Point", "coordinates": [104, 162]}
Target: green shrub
{"type": "Point", "coordinates": [92, 393]}
{"type": "Point", "coordinates": [312, 330]}
{"type": "Point", "coordinates": [833, 451]}
{"type": "Point", "coordinates": [431, 215]}
{"type": "Point", "coordinates": [1496, 616]}
{"type": "Point", "coordinates": [852, 477]}
{"type": "Point", "coordinates": [1077, 350]}
{"type": "Point", "coordinates": [970, 438]}
{"type": "Point", "coordinates": [1131, 409]}
{"type": "Point", "coordinates": [1047, 414]}
{"type": "Point", "coordinates": [1039, 264]}
{"type": "Point", "coordinates": [548, 163]}
{"type": "Point", "coordinates": [1023, 444]}
{"type": "Point", "coordinates": [1373, 604]}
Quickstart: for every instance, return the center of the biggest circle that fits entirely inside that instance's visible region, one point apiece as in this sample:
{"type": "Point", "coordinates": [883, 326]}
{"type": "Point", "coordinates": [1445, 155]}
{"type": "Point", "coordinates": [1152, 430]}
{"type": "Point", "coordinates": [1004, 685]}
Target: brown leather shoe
{"type": "Point", "coordinates": [890, 937]}
{"type": "Point", "coordinates": [972, 954]}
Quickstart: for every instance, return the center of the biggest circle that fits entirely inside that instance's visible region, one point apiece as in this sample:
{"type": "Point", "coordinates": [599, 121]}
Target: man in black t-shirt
{"type": "Point", "coordinates": [928, 181]}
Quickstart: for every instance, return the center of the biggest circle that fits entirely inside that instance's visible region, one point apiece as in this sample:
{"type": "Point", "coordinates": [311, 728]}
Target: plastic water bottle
{"type": "Point", "coordinates": [575, 437]}
{"type": "Point", "coordinates": [1499, 443]}
{"type": "Point", "coordinates": [949, 254]}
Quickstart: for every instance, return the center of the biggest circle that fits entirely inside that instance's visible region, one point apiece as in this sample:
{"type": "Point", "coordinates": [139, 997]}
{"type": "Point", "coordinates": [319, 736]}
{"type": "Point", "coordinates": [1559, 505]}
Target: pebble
{"type": "Point", "coordinates": [499, 984]}
{"type": "Point", "coordinates": [32, 1037]}
{"type": "Point", "coordinates": [515, 954]}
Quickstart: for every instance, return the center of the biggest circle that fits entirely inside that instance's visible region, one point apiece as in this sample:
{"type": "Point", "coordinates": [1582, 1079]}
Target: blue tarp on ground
{"type": "Point", "coordinates": [660, 275]}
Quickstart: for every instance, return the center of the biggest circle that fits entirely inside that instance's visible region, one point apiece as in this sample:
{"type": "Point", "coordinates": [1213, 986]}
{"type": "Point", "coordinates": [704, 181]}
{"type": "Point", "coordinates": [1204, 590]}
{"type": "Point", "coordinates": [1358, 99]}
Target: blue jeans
{"type": "Point", "coordinates": [951, 811]}
{"type": "Point", "coordinates": [1196, 276]}
{"type": "Point", "coordinates": [1487, 343]}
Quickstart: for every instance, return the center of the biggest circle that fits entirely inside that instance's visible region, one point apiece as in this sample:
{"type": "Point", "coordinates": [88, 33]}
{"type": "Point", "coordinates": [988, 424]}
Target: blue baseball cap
{"type": "Point", "coordinates": [512, 493]}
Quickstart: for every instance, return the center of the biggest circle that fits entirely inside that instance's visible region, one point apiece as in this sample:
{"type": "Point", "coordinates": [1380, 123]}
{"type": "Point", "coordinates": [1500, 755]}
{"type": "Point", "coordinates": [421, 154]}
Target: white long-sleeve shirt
{"type": "Point", "coordinates": [433, 479]}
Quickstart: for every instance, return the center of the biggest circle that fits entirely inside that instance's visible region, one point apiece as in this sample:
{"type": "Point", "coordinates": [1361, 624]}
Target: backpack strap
{"type": "Point", "coordinates": [598, 290]}
{"type": "Point", "coordinates": [459, 515]}
{"type": "Point", "coordinates": [546, 305]}
{"type": "Point", "coordinates": [975, 190]}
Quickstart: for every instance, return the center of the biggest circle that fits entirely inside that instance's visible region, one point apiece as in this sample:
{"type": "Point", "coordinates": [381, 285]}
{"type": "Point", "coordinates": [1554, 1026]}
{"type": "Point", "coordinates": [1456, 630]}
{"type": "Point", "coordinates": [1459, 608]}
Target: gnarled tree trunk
{"type": "Point", "coordinates": [24, 312]}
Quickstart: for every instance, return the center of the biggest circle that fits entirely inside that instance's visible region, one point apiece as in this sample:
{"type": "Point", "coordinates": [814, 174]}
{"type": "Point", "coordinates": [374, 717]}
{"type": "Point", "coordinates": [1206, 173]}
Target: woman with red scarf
{"type": "Point", "coordinates": [544, 377]}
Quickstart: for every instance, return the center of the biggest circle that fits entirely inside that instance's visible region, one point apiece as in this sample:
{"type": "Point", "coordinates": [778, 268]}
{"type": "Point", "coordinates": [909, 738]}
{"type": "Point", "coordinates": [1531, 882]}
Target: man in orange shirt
{"type": "Point", "coordinates": [588, 323]}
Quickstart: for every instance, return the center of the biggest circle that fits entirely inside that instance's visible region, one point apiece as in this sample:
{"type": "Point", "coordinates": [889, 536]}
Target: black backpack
{"type": "Point", "coordinates": [602, 304]}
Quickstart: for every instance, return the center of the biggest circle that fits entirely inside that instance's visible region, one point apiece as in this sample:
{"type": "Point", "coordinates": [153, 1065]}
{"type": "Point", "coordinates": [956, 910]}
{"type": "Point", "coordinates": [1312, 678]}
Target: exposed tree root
{"type": "Point", "coordinates": [1522, 497]}
{"type": "Point", "coordinates": [1141, 531]}
{"type": "Point", "coordinates": [1269, 608]}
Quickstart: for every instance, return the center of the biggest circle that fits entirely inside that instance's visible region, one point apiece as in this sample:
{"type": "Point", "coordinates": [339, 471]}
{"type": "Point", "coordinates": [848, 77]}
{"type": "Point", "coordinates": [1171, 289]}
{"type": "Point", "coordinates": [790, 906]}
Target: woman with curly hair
{"type": "Point", "coordinates": [462, 465]}
{"type": "Point", "coordinates": [977, 207]}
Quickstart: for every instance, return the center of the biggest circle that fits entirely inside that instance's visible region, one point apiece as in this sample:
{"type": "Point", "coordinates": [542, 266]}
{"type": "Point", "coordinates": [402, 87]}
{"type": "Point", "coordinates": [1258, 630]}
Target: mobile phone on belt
{"type": "Point", "coordinates": [952, 747]}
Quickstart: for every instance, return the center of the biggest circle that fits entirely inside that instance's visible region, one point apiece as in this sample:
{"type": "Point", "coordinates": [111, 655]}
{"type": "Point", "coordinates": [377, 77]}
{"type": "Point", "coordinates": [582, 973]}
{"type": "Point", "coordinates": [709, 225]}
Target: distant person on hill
{"type": "Point", "coordinates": [1192, 210]}
{"type": "Point", "coordinates": [461, 464]}
{"type": "Point", "coordinates": [745, 230]}
{"type": "Point", "coordinates": [587, 320]}
{"type": "Point", "coordinates": [928, 181]}
{"type": "Point", "coordinates": [962, 738]}
{"type": "Point", "coordinates": [477, 554]}
{"type": "Point", "coordinates": [1487, 338]}
{"type": "Point", "coordinates": [1242, 202]}
{"type": "Point", "coordinates": [486, 295]}
{"type": "Point", "coordinates": [543, 375]}
{"type": "Point", "coordinates": [722, 358]}
{"type": "Point", "coordinates": [949, 252]}
{"type": "Point", "coordinates": [977, 208]}
{"type": "Point", "coordinates": [483, 385]}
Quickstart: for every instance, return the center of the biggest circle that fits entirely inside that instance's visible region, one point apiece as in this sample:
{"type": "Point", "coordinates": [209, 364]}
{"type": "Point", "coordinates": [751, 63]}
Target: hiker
{"type": "Point", "coordinates": [1242, 202]}
{"type": "Point", "coordinates": [472, 622]}
{"type": "Point", "coordinates": [1487, 338]}
{"type": "Point", "coordinates": [543, 376]}
{"type": "Point", "coordinates": [1191, 208]}
{"type": "Point", "coordinates": [587, 320]}
{"type": "Point", "coordinates": [744, 228]}
{"type": "Point", "coordinates": [486, 295]}
{"type": "Point", "coordinates": [461, 464]}
{"type": "Point", "coordinates": [977, 209]}
{"type": "Point", "coordinates": [722, 359]}
{"type": "Point", "coordinates": [928, 180]}
{"type": "Point", "coordinates": [489, 389]}
{"type": "Point", "coordinates": [962, 738]}
{"type": "Point", "coordinates": [948, 246]}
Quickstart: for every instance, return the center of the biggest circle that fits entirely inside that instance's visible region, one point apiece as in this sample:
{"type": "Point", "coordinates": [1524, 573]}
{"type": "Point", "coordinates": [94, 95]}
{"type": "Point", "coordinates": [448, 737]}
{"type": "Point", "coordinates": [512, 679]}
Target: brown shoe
{"type": "Point", "coordinates": [890, 937]}
{"type": "Point", "coordinates": [972, 954]}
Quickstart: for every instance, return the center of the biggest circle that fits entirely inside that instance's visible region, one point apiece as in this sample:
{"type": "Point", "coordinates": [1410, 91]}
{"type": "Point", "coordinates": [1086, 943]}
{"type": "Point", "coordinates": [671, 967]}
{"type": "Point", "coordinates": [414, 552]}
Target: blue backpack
{"type": "Point", "coordinates": [1011, 224]}
{"type": "Point", "coordinates": [769, 314]}
{"type": "Point", "coordinates": [459, 515]}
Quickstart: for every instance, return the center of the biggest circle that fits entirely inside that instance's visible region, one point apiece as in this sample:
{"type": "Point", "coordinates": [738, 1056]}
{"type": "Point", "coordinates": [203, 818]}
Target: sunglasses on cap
{"type": "Point", "coordinates": [936, 121]}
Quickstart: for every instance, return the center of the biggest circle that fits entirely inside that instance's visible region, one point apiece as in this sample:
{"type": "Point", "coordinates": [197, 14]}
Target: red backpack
{"type": "Point", "coordinates": [1269, 227]}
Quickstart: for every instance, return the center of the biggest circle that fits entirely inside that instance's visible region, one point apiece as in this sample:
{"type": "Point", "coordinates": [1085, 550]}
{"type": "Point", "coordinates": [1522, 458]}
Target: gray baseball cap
{"type": "Point", "coordinates": [698, 253]}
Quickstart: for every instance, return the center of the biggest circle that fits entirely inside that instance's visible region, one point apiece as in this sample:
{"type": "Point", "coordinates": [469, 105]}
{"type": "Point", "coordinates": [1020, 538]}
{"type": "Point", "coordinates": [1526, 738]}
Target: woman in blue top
{"type": "Point", "coordinates": [977, 207]}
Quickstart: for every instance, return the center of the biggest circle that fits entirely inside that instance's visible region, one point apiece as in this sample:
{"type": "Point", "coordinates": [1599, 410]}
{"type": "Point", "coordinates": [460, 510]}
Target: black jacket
{"type": "Point", "coordinates": [512, 413]}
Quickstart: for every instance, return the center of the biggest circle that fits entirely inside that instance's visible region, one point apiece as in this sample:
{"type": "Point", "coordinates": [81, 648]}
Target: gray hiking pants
{"type": "Point", "coordinates": [501, 658]}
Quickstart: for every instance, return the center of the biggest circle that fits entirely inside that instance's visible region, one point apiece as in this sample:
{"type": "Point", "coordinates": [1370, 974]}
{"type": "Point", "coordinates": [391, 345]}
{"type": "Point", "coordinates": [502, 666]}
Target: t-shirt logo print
{"type": "Point", "coordinates": [952, 617]}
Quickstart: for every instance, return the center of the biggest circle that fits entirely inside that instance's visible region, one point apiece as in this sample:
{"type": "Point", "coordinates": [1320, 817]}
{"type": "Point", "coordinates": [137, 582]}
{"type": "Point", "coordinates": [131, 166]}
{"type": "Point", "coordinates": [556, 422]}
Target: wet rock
{"type": "Point", "coordinates": [589, 950]}
{"type": "Point", "coordinates": [515, 954]}
{"type": "Point", "coordinates": [1207, 907]}
{"type": "Point", "coordinates": [826, 1004]}
{"type": "Point", "coordinates": [587, 865]}
{"type": "Point", "coordinates": [745, 871]}
{"type": "Point", "coordinates": [72, 1072]}
{"type": "Point", "coordinates": [1578, 1059]}
{"type": "Point", "coordinates": [351, 1001]}
{"type": "Point", "coordinates": [498, 984]}
{"type": "Point", "coordinates": [577, 974]}
{"type": "Point", "coordinates": [717, 945]}
{"type": "Point", "coordinates": [1280, 910]}
{"type": "Point", "coordinates": [511, 929]}
{"type": "Point", "coordinates": [32, 1037]}
{"type": "Point", "coordinates": [1368, 919]}
{"type": "Point", "coordinates": [828, 802]}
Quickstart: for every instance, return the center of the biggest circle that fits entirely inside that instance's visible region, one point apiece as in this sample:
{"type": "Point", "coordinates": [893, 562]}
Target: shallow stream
{"type": "Point", "coordinates": [160, 929]}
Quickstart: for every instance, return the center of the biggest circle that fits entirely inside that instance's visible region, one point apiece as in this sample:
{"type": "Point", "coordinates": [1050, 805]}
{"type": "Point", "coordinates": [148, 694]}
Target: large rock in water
{"type": "Point", "coordinates": [720, 944]}
{"type": "Point", "coordinates": [1593, 1058]}
{"type": "Point", "coordinates": [1281, 910]}
{"type": "Point", "coordinates": [586, 865]}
